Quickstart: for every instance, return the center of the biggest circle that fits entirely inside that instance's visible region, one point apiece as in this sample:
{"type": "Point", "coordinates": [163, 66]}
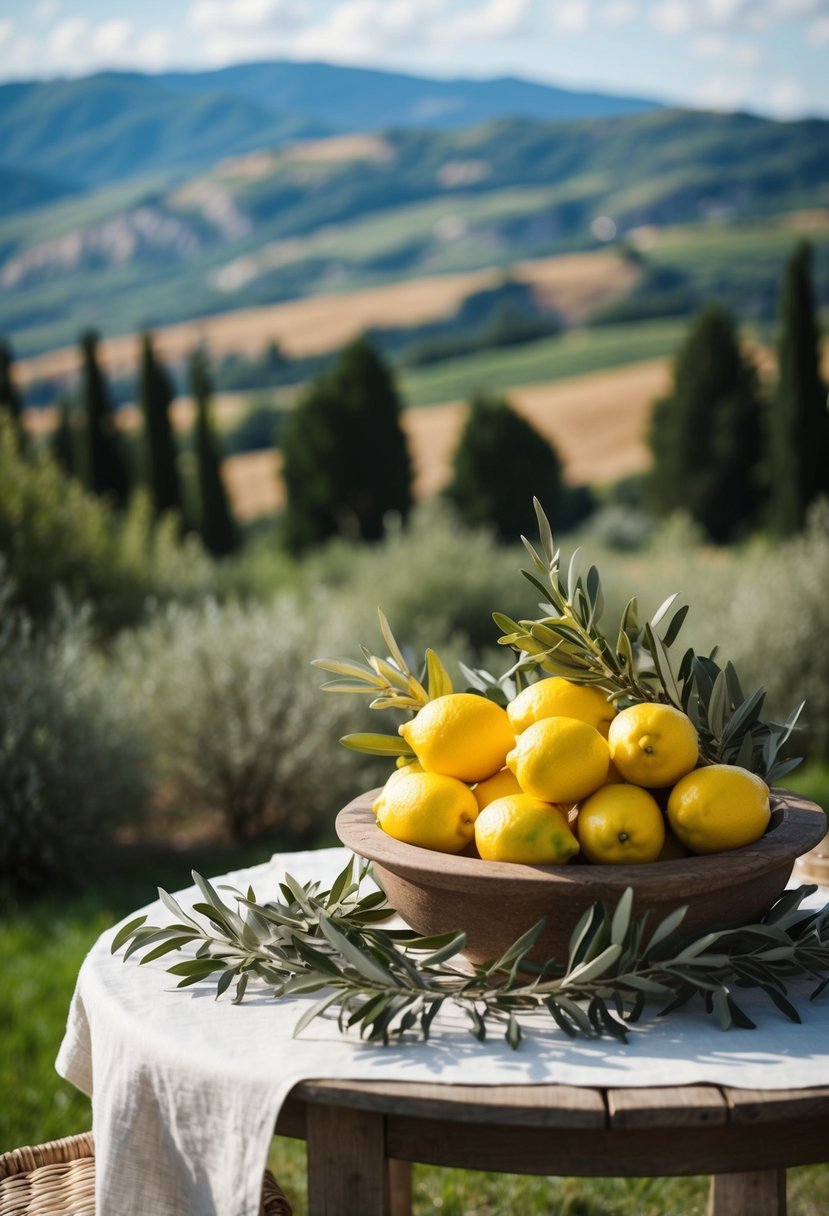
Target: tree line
{"type": "Point", "coordinates": [89, 446]}
{"type": "Point", "coordinates": [732, 457]}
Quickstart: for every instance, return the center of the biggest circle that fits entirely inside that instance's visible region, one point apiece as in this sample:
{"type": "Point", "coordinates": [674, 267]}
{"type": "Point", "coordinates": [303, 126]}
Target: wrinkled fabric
{"type": "Point", "coordinates": [186, 1088]}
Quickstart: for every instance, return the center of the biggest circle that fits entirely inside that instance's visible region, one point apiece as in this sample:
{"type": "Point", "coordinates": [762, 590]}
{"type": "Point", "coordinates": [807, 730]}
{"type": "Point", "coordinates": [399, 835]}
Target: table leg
{"type": "Point", "coordinates": [400, 1188]}
{"type": "Point", "coordinates": [760, 1193]}
{"type": "Point", "coordinates": [347, 1167]}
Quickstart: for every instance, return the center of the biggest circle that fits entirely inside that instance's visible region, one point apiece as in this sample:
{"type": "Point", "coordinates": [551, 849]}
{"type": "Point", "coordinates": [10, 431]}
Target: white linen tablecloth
{"type": "Point", "coordinates": [186, 1089]}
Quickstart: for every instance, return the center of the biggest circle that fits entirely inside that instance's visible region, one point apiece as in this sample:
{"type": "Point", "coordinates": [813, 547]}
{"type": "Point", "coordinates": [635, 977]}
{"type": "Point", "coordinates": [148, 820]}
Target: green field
{"type": "Point", "coordinates": [573, 354]}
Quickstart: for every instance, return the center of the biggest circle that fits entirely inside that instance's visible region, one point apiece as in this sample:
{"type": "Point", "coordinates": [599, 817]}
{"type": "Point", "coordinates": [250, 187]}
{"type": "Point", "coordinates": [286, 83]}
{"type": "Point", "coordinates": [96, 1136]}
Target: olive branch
{"type": "Point", "coordinates": [388, 982]}
{"type": "Point", "coordinates": [639, 664]}
{"type": "Point", "coordinates": [635, 662]}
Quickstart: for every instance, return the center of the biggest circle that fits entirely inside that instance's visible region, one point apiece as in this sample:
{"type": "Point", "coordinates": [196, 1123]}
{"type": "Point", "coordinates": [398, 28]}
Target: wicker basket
{"type": "Point", "coordinates": [58, 1179]}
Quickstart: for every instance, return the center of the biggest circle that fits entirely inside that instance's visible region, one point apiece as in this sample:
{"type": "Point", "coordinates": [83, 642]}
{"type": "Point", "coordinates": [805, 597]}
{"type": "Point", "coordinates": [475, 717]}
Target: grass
{"type": "Point", "coordinates": [452, 1192]}
{"type": "Point", "coordinates": [43, 942]}
{"type": "Point", "coordinates": [572, 354]}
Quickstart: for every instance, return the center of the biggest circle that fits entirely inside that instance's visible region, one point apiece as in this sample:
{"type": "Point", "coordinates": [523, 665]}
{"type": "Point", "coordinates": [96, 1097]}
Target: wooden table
{"type": "Point", "coordinates": [362, 1137]}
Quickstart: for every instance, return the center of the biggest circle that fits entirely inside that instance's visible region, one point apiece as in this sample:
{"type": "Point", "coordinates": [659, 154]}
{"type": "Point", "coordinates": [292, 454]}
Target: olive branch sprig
{"type": "Point", "coordinates": [388, 982]}
{"type": "Point", "coordinates": [639, 664]}
{"type": "Point", "coordinates": [636, 662]}
{"type": "Point", "coordinates": [391, 684]}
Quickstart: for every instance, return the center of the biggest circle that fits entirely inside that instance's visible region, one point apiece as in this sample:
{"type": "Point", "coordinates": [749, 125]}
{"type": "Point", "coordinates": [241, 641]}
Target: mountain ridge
{"type": "Point", "coordinates": [109, 126]}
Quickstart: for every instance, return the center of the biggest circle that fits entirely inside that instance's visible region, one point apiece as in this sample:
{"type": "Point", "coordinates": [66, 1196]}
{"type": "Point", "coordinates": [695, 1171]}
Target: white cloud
{"type": "Point", "coordinates": [726, 93]}
{"type": "Point", "coordinates": [570, 16]}
{"type": "Point", "coordinates": [495, 19]}
{"type": "Point", "coordinates": [361, 29]}
{"type": "Point", "coordinates": [68, 42]}
{"type": "Point", "coordinates": [154, 49]}
{"type": "Point", "coordinates": [747, 54]}
{"type": "Point", "coordinates": [715, 46]}
{"type": "Point", "coordinates": [243, 14]}
{"type": "Point", "coordinates": [75, 47]}
{"type": "Point", "coordinates": [723, 12]}
{"type": "Point", "coordinates": [818, 32]}
{"type": "Point", "coordinates": [113, 38]}
{"type": "Point", "coordinates": [786, 98]}
{"type": "Point", "coordinates": [710, 46]}
{"type": "Point", "coordinates": [672, 16]}
{"type": "Point", "coordinates": [797, 8]}
{"type": "Point", "coordinates": [46, 11]}
{"type": "Point", "coordinates": [681, 17]}
{"type": "Point", "coordinates": [247, 29]}
{"type": "Point", "coordinates": [618, 12]}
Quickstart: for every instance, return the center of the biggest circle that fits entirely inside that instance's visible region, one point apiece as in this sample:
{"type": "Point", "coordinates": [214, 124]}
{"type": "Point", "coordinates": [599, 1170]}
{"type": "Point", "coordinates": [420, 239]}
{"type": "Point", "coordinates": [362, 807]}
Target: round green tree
{"type": "Point", "coordinates": [706, 435]}
{"type": "Point", "coordinates": [500, 463]}
{"type": "Point", "coordinates": [345, 459]}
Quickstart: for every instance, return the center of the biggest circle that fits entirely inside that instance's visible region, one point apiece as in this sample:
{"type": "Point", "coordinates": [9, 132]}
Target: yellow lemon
{"type": "Point", "coordinates": [653, 744]}
{"type": "Point", "coordinates": [621, 825]}
{"type": "Point", "coordinates": [429, 810]}
{"type": "Point", "coordinates": [402, 770]}
{"type": "Point", "coordinates": [460, 735]}
{"type": "Point", "coordinates": [556, 697]}
{"type": "Point", "coordinates": [719, 807]}
{"type": "Point", "coordinates": [524, 829]}
{"type": "Point", "coordinates": [502, 783]}
{"type": "Point", "coordinates": [560, 760]}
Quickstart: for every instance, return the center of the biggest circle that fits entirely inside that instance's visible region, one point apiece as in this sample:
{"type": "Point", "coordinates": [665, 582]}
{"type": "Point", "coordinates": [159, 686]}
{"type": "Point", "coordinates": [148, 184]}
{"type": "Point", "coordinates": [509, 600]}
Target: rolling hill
{"type": "Point", "coordinates": [331, 215]}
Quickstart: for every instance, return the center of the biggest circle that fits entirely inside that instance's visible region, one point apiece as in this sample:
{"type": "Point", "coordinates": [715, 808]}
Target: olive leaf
{"type": "Point", "coordinates": [386, 983]}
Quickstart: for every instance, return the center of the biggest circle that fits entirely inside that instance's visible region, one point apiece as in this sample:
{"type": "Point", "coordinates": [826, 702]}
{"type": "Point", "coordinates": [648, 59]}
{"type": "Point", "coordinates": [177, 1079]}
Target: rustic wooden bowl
{"type": "Point", "coordinates": [495, 902]}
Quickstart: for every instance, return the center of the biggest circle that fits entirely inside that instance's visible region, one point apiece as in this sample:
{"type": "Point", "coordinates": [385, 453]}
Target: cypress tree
{"type": "Point", "coordinates": [159, 456]}
{"type": "Point", "coordinates": [798, 423]}
{"type": "Point", "coordinates": [706, 436]}
{"type": "Point", "coordinates": [63, 442]}
{"type": "Point", "coordinates": [103, 465]}
{"type": "Point", "coordinates": [500, 462]}
{"type": "Point", "coordinates": [345, 458]}
{"type": "Point", "coordinates": [216, 525]}
{"type": "Point", "coordinates": [9, 395]}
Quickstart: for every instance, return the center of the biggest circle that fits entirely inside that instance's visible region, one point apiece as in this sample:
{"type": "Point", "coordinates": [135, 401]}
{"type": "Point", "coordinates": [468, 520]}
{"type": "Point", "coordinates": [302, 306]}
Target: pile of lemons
{"type": "Point", "coordinates": [559, 773]}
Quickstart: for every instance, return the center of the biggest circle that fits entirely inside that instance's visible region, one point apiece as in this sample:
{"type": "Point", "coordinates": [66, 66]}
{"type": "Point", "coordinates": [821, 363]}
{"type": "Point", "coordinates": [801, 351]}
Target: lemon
{"type": "Point", "coordinates": [556, 697]}
{"type": "Point", "coordinates": [653, 744]}
{"type": "Point", "coordinates": [524, 829]}
{"type": "Point", "coordinates": [429, 810]}
{"type": "Point", "coordinates": [621, 825]}
{"type": "Point", "coordinates": [560, 760]}
{"type": "Point", "coordinates": [460, 735]}
{"type": "Point", "coordinates": [499, 785]}
{"type": "Point", "coordinates": [402, 770]}
{"type": "Point", "coordinates": [719, 807]}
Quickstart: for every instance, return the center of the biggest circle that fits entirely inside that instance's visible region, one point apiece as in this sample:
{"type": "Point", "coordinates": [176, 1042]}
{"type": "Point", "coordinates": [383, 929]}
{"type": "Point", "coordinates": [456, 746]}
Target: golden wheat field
{"type": "Point", "coordinates": [597, 423]}
{"type": "Point", "coordinates": [574, 285]}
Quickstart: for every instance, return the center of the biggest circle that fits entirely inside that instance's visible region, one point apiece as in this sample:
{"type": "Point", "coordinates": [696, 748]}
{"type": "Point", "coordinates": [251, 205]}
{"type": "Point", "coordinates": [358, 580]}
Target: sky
{"type": "Point", "coordinates": [768, 56]}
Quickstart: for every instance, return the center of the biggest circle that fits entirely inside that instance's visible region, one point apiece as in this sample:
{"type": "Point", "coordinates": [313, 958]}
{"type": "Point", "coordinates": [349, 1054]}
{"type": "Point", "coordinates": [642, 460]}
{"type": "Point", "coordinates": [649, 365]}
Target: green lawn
{"type": "Point", "coordinates": [43, 942]}
{"type": "Point", "coordinates": [572, 354]}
